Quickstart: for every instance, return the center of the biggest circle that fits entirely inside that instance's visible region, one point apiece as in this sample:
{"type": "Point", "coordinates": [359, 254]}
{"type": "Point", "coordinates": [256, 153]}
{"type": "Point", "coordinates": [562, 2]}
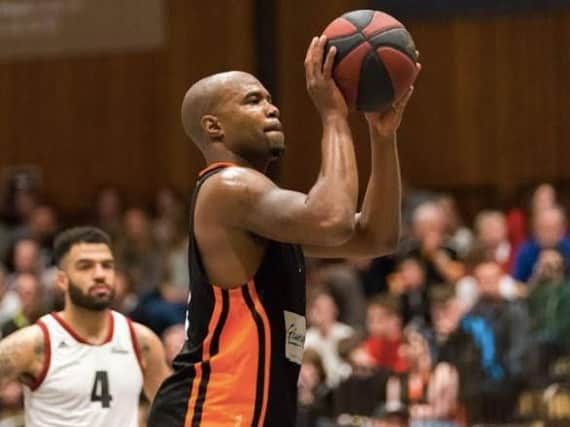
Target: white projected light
{"type": "Point", "coordinates": [30, 28]}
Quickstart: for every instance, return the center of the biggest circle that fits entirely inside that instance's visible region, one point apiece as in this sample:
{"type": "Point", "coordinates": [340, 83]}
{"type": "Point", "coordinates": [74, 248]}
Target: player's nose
{"type": "Point", "coordinates": [273, 111]}
{"type": "Point", "coordinates": [99, 271]}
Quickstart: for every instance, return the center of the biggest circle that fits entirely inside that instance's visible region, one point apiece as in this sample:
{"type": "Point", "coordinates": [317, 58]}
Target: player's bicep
{"type": "Point", "coordinates": [360, 245]}
{"type": "Point", "coordinates": [288, 216]}
{"type": "Point", "coordinates": [154, 366]}
{"type": "Point", "coordinates": [18, 352]}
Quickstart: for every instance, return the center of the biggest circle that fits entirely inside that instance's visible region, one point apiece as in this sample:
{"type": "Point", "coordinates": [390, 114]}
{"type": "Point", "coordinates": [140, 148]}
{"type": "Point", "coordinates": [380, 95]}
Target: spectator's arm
{"type": "Point", "coordinates": [450, 269]}
{"type": "Point", "coordinates": [443, 393]}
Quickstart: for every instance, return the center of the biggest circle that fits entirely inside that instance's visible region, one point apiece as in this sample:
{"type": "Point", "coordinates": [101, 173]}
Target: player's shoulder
{"type": "Point", "coordinates": [144, 335]}
{"type": "Point", "coordinates": [235, 177]}
{"type": "Point", "coordinates": [30, 334]}
{"type": "Point", "coordinates": [236, 182]}
{"type": "Point", "coordinates": [26, 339]}
{"type": "Point", "coordinates": [141, 330]}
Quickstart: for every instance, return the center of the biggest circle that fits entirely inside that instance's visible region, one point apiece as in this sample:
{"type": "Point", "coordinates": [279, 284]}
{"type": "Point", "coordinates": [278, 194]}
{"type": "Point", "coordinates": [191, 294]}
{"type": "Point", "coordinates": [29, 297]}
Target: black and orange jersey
{"type": "Point", "coordinates": [240, 364]}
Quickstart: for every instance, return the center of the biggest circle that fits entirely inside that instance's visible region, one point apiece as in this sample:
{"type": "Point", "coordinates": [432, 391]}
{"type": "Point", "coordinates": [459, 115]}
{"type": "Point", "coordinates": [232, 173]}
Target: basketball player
{"type": "Point", "coordinates": [86, 365]}
{"type": "Point", "coordinates": [246, 325]}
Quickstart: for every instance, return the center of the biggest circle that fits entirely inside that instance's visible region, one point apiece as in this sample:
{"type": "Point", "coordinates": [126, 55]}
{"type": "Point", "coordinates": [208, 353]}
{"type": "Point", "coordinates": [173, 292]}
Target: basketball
{"type": "Point", "coordinates": [376, 58]}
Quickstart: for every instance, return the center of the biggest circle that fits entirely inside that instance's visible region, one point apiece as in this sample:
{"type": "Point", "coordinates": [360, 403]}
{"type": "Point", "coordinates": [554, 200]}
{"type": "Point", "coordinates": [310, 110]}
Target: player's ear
{"type": "Point", "coordinates": [212, 127]}
{"type": "Point", "coordinates": [62, 280]}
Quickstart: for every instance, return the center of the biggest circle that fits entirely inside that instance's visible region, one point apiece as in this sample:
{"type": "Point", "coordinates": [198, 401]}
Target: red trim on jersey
{"type": "Point", "coordinates": [214, 166]}
{"type": "Point", "coordinates": [135, 341]}
{"type": "Point", "coordinates": [47, 356]}
{"type": "Point", "coordinates": [77, 337]}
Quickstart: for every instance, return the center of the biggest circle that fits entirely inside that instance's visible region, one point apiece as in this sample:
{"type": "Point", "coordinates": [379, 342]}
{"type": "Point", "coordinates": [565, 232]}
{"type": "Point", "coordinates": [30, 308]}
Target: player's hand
{"type": "Point", "coordinates": [321, 87]}
{"type": "Point", "coordinates": [387, 123]}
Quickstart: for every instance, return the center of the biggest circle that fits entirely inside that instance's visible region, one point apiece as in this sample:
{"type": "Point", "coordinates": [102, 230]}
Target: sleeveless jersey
{"type": "Point", "coordinates": [240, 364]}
{"type": "Point", "coordinates": [85, 385]}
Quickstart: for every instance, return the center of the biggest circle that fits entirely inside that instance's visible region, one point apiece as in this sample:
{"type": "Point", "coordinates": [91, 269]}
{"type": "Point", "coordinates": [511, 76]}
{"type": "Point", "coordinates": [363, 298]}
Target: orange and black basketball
{"type": "Point", "coordinates": [376, 58]}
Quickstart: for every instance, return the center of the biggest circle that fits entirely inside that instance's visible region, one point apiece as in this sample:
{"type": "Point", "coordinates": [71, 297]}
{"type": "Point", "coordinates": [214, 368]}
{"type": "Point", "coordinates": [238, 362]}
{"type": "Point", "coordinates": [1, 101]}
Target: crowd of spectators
{"type": "Point", "coordinates": [455, 329]}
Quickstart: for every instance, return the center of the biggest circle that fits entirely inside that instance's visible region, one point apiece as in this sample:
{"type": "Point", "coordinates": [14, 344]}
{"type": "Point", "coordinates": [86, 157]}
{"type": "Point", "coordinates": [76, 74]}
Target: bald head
{"type": "Point", "coordinates": [205, 97]}
{"type": "Point", "coordinates": [549, 226]}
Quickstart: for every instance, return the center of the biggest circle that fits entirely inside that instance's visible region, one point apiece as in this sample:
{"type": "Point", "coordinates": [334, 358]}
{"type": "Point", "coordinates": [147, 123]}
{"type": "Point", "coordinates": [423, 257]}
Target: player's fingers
{"type": "Point", "coordinates": [400, 104]}
{"type": "Point", "coordinates": [319, 55]}
{"type": "Point", "coordinates": [329, 62]}
{"type": "Point", "coordinates": [309, 58]}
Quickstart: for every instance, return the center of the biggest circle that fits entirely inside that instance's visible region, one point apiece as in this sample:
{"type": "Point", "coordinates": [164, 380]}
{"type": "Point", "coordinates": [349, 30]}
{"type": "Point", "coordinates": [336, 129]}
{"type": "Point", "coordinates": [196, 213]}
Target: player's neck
{"type": "Point", "coordinates": [93, 326]}
{"type": "Point", "coordinates": [226, 156]}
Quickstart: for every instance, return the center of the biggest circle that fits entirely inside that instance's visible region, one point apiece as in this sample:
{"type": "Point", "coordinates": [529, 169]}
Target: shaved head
{"type": "Point", "coordinates": [205, 97]}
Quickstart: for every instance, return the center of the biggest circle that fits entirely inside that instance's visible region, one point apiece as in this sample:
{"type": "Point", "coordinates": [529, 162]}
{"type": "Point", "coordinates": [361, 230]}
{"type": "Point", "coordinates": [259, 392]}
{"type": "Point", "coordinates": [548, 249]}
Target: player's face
{"type": "Point", "coordinates": [250, 121]}
{"type": "Point", "coordinates": [88, 275]}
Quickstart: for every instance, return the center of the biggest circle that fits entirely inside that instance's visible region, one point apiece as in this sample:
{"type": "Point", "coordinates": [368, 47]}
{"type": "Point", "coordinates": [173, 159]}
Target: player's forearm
{"type": "Point", "coordinates": [335, 193]}
{"type": "Point", "coordinates": [380, 217]}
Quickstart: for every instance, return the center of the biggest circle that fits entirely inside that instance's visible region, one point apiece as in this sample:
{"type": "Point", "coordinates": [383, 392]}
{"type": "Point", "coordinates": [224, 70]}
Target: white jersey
{"type": "Point", "coordinates": [85, 385]}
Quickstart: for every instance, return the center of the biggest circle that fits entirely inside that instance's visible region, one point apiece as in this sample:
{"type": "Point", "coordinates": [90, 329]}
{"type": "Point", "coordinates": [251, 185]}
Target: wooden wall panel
{"type": "Point", "coordinates": [489, 109]}
{"type": "Point", "coordinates": [114, 118]}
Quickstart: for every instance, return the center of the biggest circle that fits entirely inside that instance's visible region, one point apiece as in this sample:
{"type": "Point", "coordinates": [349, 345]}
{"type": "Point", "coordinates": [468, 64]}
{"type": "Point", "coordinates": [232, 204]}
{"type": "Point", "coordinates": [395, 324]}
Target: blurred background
{"type": "Point", "coordinates": [90, 93]}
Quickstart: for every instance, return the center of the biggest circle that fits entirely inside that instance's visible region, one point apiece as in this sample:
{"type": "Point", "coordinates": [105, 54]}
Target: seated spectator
{"type": "Point", "coordinates": [161, 308]}
{"type": "Point", "coordinates": [25, 259]}
{"type": "Point", "coordinates": [509, 323]}
{"type": "Point", "coordinates": [20, 195]}
{"type": "Point", "coordinates": [324, 334]}
{"type": "Point", "coordinates": [384, 325]}
{"type": "Point", "coordinates": [549, 308]}
{"type": "Point", "coordinates": [343, 282]}
{"type": "Point", "coordinates": [468, 286]}
{"type": "Point", "coordinates": [459, 237]}
{"type": "Point", "coordinates": [41, 226]}
{"type": "Point", "coordinates": [409, 281]}
{"type": "Point", "coordinates": [430, 389]}
{"type": "Point", "coordinates": [109, 211]}
{"type": "Point", "coordinates": [361, 392]}
{"type": "Point", "coordinates": [9, 301]}
{"type": "Point", "coordinates": [549, 228]}
{"type": "Point", "coordinates": [492, 239]}
{"type": "Point", "coordinates": [315, 397]}
{"type": "Point", "coordinates": [170, 218]}
{"type": "Point", "coordinates": [466, 344]}
{"type": "Point", "coordinates": [428, 244]}
{"type": "Point", "coordinates": [137, 252]}
{"type": "Point", "coordinates": [543, 197]}
{"type": "Point", "coordinates": [125, 299]}
{"type": "Point", "coordinates": [29, 292]}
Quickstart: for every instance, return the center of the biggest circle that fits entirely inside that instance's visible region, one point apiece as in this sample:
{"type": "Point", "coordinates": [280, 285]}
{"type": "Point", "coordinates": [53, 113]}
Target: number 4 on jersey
{"type": "Point", "coordinates": [100, 391]}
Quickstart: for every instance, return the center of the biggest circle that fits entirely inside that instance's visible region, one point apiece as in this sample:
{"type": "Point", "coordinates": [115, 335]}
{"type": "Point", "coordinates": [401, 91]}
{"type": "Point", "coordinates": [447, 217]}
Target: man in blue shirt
{"type": "Point", "coordinates": [549, 227]}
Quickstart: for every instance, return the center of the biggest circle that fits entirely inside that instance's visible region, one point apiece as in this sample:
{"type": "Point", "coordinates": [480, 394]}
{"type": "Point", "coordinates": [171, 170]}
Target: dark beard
{"type": "Point", "coordinates": [89, 302]}
{"type": "Point", "coordinates": [276, 152]}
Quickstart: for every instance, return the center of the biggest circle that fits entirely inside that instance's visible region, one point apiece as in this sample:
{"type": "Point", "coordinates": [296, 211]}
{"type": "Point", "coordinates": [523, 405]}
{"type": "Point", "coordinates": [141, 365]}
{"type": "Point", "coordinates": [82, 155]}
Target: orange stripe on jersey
{"type": "Point", "coordinates": [200, 383]}
{"type": "Point", "coordinates": [231, 385]}
{"type": "Point", "coordinates": [267, 331]}
{"type": "Point", "coordinates": [193, 395]}
{"type": "Point", "coordinates": [231, 395]}
{"type": "Point", "coordinates": [215, 166]}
